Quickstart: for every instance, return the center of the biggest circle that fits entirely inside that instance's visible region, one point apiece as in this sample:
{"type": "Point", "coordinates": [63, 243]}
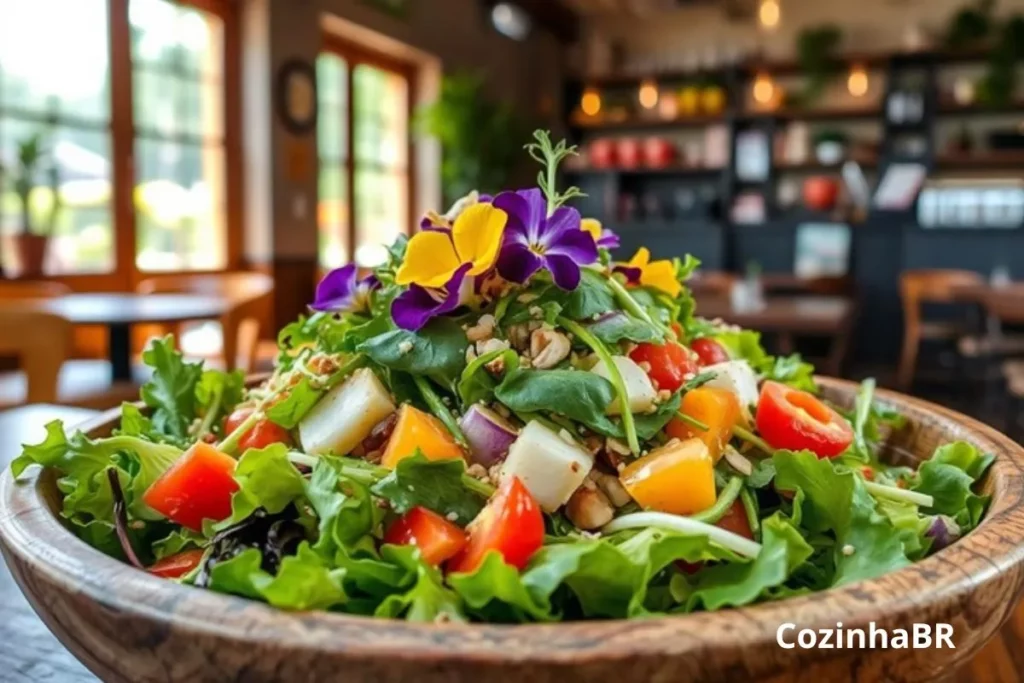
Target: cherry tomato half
{"type": "Point", "coordinates": [793, 419]}
{"type": "Point", "coordinates": [709, 351]}
{"type": "Point", "coordinates": [198, 486]}
{"type": "Point", "coordinates": [666, 364]}
{"type": "Point", "coordinates": [512, 524]}
{"type": "Point", "coordinates": [176, 566]}
{"type": "Point", "coordinates": [437, 539]}
{"type": "Point", "coordinates": [264, 433]}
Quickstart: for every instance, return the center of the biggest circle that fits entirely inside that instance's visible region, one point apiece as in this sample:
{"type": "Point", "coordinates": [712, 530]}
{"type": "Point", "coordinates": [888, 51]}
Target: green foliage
{"type": "Point", "coordinates": [28, 175]}
{"type": "Point", "coordinates": [434, 484]}
{"type": "Point", "coordinates": [550, 156]}
{"type": "Point", "coordinates": [970, 25]}
{"type": "Point", "coordinates": [437, 351]}
{"type": "Point", "coordinates": [816, 49]}
{"type": "Point", "coordinates": [479, 137]}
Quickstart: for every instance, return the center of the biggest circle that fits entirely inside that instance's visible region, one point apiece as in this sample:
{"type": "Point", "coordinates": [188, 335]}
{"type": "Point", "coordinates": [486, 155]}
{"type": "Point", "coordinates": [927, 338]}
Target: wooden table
{"type": "Point", "coordinates": [788, 316]}
{"type": "Point", "coordinates": [28, 651]}
{"type": "Point", "coordinates": [1003, 302]}
{"type": "Point", "coordinates": [119, 311]}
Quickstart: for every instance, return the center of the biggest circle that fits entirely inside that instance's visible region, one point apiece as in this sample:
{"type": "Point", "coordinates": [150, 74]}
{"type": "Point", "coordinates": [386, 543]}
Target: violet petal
{"type": "Point", "coordinates": [576, 244]}
{"type": "Point", "coordinates": [517, 262]}
{"type": "Point", "coordinates": [336, 290]}
{"type": "Point", "coordinates": [416, 306]}
{"type": "Point", "coordinates": [565, 271]}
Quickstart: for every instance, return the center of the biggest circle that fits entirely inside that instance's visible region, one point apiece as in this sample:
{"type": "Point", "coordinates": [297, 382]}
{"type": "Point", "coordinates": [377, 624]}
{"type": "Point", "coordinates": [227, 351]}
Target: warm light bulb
{"type": "Point", "coordinates": [591, 102]}
{"type": "Point", "coordinates": [764, 89]}
{"type": "Point", "coordinates": [857, 83]}
{"type": "Point", "coordinates": [769, 13]}
{"type": "Point", "coordinates": [648, 95]}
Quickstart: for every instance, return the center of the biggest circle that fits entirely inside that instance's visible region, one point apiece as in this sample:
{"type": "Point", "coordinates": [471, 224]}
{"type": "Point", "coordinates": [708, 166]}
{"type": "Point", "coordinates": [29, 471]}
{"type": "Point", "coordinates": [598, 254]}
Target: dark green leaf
{"type": "Point", "coordinates": [476, 383]}
{"type": "Point", "coordinates": [593, 297]}
{"type": "Point", "coordinates": [433, 484]}
{"type": "Point", "coordinates": [578, 395]}
{"type": "Point", "coordinates": [171, 391]}
{"type": "Point", "coordinates": [299, 400]}
{"type": "Point", "coordinates": [618, 326]}
{"type": "Point", "coordinates": [437, 351]}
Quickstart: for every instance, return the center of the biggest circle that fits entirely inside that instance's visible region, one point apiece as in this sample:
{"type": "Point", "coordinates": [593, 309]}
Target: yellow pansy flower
{"type": "Point", "coordinates": [593, 227]}
{"type": "Point", "coordinates": [658, 274]}
{"type": "Point", "coordinates": [433, 256]}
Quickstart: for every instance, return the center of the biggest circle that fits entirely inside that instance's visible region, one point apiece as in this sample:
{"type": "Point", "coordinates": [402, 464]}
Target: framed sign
{"type": "Point", "coordinates": [295, 96]}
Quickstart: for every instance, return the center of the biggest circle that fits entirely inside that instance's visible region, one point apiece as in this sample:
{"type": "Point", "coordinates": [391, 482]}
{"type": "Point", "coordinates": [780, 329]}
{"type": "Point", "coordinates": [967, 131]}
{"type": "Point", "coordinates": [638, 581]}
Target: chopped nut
{"type": "Point", "coordinates": [664, 395]}
{"type": "Point", "coordinates": [405, 347]}
{"type": "Point", "coordinates": [470, 353]}
{"type": "Point", "coordinates": [611, 487]}
{"type": "Point", "coordinates": [589, 509]}
{"type": "Point", "coordinates": [322, 364]}
{"type": "Point", "coordinates": [737, 461]}
{"type": "Point", "coordinates": [526, 297]}
{"type": "Point", "coordinates": [484, 329]}
{"type": "Point", "coordinates": [452, 516]}
{"type": "Point", "coordinates": [477, 471]}
{"type": "Point", "coordinates": [594, 444]}
{"type": "Point", "coordinates": [519, 336]}
{"type": "Point", "coordinates": [548, 348]}
{"type": "Point", "coordinates": [536, 312]}
{"type": "Point", "coordinates": [615, 446]}
{"type": "Point", "coordinates": [848, 550]}
{"type": "Point", "coordinates": [494, 473]}
{"type": "Point", "coordinates": [489, 345]}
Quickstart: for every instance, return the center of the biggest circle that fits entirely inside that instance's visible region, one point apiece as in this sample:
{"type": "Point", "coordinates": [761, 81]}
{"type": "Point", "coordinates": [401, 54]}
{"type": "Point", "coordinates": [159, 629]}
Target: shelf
{"type": "Point", "coordinates": [820, 114]}
{"type": "Point", "coordinates": [817, 167]}
{"type": "Point", "coordinates": [675, 170]}
{"type": "Point", "coordinates": [646, 124]}
{"type": "Point", "coordinates": [984, 161]}
{"type": "Point", "coordinates": [977, 108]}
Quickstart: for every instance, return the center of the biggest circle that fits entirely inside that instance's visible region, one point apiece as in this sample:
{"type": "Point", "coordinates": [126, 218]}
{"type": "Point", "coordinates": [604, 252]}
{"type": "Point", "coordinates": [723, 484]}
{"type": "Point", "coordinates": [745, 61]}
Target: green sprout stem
{"type": "Point", "coordinates": [726, 497]}
{"type": "Point", "coordinates": [549, 156]}
{"type": "Point", "coordinates": [439, 409]}
{"type": "Point", "coordinates": [745, 434]}
{"type": "Point", "coordinates": [628, 425]}
{"type": "Point", "coordinates": [631, 305]}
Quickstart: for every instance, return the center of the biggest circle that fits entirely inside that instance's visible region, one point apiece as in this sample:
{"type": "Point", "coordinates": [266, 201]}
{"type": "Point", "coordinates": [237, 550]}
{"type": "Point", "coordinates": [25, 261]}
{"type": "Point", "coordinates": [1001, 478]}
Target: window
{"type": "Point", "coordinates": [66, 103]}
{"type": "Point", "coordinates": [178, 65]}
{"type": "Point", "coordinates": [63, 66]}
{"type": "Point", "coordinates": [373, 164]}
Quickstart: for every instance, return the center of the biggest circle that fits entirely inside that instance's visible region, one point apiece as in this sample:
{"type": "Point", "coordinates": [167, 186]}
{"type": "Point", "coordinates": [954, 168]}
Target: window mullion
{"type": "Point", "coordinates": [350, 157]}
{"type": "Point", "coordinates": [122, 141]}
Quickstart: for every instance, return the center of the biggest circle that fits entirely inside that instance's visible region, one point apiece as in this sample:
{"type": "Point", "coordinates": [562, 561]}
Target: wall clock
{"type": "Point", "coordinates": [296, 96]}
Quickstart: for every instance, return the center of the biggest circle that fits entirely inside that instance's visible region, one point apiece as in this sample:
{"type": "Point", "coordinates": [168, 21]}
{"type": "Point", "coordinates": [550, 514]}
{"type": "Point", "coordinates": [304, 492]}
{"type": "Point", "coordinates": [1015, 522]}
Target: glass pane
{"type": "Point", "coordinates": [179, 39]}
{"type": "Point", "coordinates": [180, 206]}
{"type": "Point", "coordinates": [77, 163]}
{"type": "Point", "coordinates": [333, 216]}
{"type": "Point", "coordinates": [75, 78]}
{"type": "Point", "coordinates": [331, 133]}
{"type": "Point", "coordinates": [156, 103]}
{"type": "Point", "coordinates": [201, 109]}
{"type": "Point", "coordinates": [331, 79]}
{"type": "Point", "coordinates": [382, 213]}
{"type": "Point", "coordinates": [382, 116]}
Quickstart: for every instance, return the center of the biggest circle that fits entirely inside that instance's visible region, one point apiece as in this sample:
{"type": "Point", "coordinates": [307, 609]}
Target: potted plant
{"type": "Point", "coordinates": [479, 137]}
{"type": "Point", "coordinates": [33, 238]}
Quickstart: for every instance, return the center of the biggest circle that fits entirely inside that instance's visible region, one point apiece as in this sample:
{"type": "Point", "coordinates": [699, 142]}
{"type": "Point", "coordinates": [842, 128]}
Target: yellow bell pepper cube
{"type": "Point", "coordinates": [416, 430]}
{"type": "Point", "coordinates": [677, 478]}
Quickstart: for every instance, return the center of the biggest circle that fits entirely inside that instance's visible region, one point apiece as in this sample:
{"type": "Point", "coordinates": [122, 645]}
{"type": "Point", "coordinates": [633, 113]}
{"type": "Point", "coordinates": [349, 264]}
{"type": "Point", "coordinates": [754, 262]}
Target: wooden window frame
{"type": "Point", "coordinates": [126, 274]}
{"type": "Point", "coordinates": [355, 55]}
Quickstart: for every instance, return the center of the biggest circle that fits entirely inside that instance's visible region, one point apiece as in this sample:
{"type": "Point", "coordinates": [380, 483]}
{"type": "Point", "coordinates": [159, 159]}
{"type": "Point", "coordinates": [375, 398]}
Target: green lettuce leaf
{"type": "Point", "coordinates": [793, 371]}
{"type": "Point", "coordinates": [344, 507]}
{"type": "Point", "coordinates": [834, 501]}
{"type": "Point", "coordinates": [266, 479]}
{"type": "Point", "coordinates": [434, 484]}
{"type": "Point", "coordinates": [495, 593]}
{"type": "Point", "coordinates": [171, 391]}
{"type": "Point", "coordinates": [303, 582]}
{"type": "Point", "coordinates": [428, 600]}
{"type": "Point", "coordinates": [949, 477]}
{"type": "Point", "coordinates": [437, 351]}
{"type": "Point", "coordinates": [299, 400]}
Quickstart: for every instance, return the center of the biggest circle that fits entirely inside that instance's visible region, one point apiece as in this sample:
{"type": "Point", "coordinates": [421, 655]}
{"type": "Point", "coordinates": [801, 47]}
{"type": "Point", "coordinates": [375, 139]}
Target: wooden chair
{"type": "Point", "coordinates": [42, 343]}
{"type": "Point", "coordinates": [250, 295]}
{"type": "Point", "coordinates": [712, 284]}
{"type": "Point", "coordinates": [31, 289]}
{"type": "Point", "coordinates": [919, 287]}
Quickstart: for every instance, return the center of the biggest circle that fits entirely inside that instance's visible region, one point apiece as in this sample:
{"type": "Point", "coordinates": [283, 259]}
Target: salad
{"type": "Point", "coordinates": [504, 424]}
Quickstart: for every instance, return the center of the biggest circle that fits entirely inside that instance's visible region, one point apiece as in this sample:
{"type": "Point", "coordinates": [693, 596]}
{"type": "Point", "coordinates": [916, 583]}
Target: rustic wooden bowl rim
{"type": "Point", "coordinates": [938, 585]}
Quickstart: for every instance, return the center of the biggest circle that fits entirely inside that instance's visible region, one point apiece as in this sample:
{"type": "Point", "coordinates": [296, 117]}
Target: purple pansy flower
{"type": "Point", "coordinates": [608, 240]}
{"type": "Point", "coordinates": [631, 273]}
{"type": "Point", "coordinates": [534, 240]}
{"type": "Point", "coordinates": [341, 290]}
{"type": "Point", "coordinates": [417, 305]}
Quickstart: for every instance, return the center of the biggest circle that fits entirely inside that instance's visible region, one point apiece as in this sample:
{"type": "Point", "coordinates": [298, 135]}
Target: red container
{"type": "Point", "coordinates": [821, 193]}
{"type": "Point", "coordinates": [629, 152]}
{"type": "Point", "coordinates": [659, 153]}
{"type": "Point", "coordinates": [601, 153]}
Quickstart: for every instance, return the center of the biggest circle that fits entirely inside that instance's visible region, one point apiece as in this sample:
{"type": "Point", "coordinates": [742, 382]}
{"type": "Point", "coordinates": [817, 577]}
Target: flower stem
{"type": "Point", "coordinates": [745, 434]}
{"type": "Point", "coordinates": [211, 413]}
{"type": "Point", "coordinates": [750, 507]}
{"type": "Point", "coordinates": [439, 409]}
{"type": "Point", "coordinates": [584, 335]}
{"type": "Point", "coordinates": [899, 495]}
{"type": "Point", "coordinates": [726, 498]}
{"type": "Point", "coordinates": [627, 301]}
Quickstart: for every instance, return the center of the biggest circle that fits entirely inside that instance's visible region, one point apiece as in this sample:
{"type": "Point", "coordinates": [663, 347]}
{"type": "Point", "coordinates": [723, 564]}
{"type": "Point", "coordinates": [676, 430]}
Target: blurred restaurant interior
{"type": "Point", "coordinates": [849, 174]}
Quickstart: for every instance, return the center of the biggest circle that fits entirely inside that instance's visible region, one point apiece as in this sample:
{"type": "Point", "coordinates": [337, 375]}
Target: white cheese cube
{"type": "Point", "coordinates": [738, 377]}
{"type": "Point", "coordinates": [551, 467]}
{"type": "Point", "coordinates": [639, 390]}
{"type": "Point", "coordinates": [345, 415]}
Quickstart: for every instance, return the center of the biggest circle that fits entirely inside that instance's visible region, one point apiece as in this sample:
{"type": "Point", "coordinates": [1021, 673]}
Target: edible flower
{"type": "Point", "coordinates": [603, 237]}
{"type": "Point", "coordinates": [416, 306]}
{"type": "Point", "coordinates": [342, 291]}
{"type": "Point", "coordinates": [536, 240]}
{"type": "Point", "coordinates": [433, 256]}
{"type": "Point", "coordinates": [657, 274]}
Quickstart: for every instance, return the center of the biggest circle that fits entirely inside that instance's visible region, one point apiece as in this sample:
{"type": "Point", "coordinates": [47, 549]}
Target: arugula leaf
{"type": "Point", "coordinates": [437, 351]}
{"type": "Point", "coordinates": [949, 476]}
{"type": "Point", "coordinates": [792, 371]}
{"type": "Point", "coordinates": [219, 392]}
{"type": "Point", "coordinates": [617, 326]}
{"type": "Point", "coordinates": [344, 506]}
{"type": "Point", "coordinates": [177, 541]}
{"type": "Point", "coordinates": [495, 592]}
{"type": "Point", "coordinates": [735, 584]}
{"type": "Point", "coordinates": [867, 419]}
{"type": "Point", "coordinates": [576, 394]}
{"type": "Point", "coordinates": [171, 391]}
{"type": "Point", "coordinates": [428, 600]}
{"type": "Point", "coordinates": [763, 474]}
{"type": "Point", "coordinates": [434, 484]}
{"type": "Point", "coordinates": [476, 383]}
{"type": "Point", "coordinates": [835, 500]}
{"type": "Point", "coordinates": [299, 400]}
{"type": "Point", "coordinates": [593, 297]}
{"type": "Point", "coordinates": [266, 479]}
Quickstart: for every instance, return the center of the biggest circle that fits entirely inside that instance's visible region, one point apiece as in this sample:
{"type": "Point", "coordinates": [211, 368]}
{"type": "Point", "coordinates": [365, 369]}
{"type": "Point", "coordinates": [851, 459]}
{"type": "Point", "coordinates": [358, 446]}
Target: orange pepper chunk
{"type": "Point", "coordinates": [718, 408]}
{"type": "Point", "coordinates": [414, 430]}
{"type": "Point", "coordinates": [677, 478]}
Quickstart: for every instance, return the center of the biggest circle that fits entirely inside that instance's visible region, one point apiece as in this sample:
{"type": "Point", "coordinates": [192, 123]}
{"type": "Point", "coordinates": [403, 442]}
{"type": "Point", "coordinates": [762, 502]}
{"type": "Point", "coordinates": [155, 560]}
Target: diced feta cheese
{"type": "Point", "coordinates": [550, 467]}
{"type": "Point", "coordinates": [736, 376]}
{"type": "Point", "coordinates": [345, 415]}
{"type": "Point", "coordinates": [639, 390]}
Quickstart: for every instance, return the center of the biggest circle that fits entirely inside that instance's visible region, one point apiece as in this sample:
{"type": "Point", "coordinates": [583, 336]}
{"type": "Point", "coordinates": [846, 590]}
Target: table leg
{"type": "Point", "coordinates": [120, 352]}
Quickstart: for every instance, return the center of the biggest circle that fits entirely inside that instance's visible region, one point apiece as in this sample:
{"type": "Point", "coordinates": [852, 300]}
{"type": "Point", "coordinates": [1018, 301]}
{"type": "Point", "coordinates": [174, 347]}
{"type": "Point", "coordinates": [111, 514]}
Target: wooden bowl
{"type": "Point", "coordinates": [128, 626]}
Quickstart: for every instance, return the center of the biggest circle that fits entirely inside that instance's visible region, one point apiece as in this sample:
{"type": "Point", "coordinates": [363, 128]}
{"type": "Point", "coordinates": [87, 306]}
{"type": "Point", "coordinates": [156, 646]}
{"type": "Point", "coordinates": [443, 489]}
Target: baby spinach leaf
{"type": "Point", "coordinates": [578, 395]}
{"type": "Point", "coordinates": [433, 484]}
{"type": "Point", "coordinates": [593, 297]}
{"type": "Point", "coordinates": [617, 326]}
{"type": "Point", "coordinates": [437, 351]}
{"type": "Point", "coordinates": [477, 383]}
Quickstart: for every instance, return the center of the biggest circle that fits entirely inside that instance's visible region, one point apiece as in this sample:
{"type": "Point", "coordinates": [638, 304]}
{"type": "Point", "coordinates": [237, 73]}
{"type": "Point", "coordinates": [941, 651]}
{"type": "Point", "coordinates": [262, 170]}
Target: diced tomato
{"type": "Point", "coordinates": [176, 566]}
{"type": "Point", "coordinates": [512, 524]}
{"type": "Point", "coordinates": [793, 419]}
{"type": "Point", "coordinates": [437, 539]}
{"type": "Point", "coordinates": [198, 486]}
{"type": "Point", "coordinates": [868, 473]}
{"type": "Point", "coordinates": [717, 408]}
{"type": "Point", "coordinates": [709, 351]}
{"type": "Point", "coordinates": [264, 433]}
{"type": "Point", "coordinates": [666, 364]}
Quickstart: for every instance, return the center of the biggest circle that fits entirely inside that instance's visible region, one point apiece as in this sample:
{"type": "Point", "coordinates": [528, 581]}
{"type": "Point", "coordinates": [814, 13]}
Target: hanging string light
{"type": "Point", "coordinates": [857, 82]}
{"type": "Point", "coordinates": [648, 94]}
{"type": "Point", "coordinates": [590, 103]}
{"type": "Point", "coordinates": [764, 89]}
{"type": "Point", "coordinates": [769, 13]}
